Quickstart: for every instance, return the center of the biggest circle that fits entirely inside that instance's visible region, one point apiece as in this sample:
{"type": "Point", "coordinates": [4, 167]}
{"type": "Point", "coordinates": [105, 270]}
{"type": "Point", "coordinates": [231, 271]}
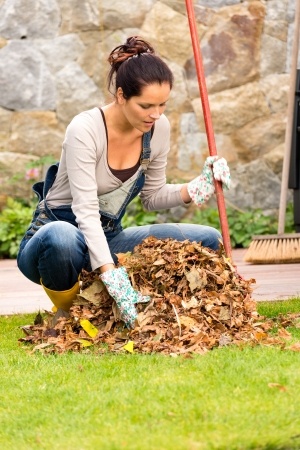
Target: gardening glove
{"type": "Point", "coordinates": [119, 288]}
{"type": "Point", "coordinates": [202, 188]}
{"type": "Point", "coordinates": [221, 171]}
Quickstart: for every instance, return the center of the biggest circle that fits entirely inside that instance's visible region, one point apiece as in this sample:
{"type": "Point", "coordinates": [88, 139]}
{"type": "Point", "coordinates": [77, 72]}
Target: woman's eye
{"type": "Point", "coordinates": [162, 105]}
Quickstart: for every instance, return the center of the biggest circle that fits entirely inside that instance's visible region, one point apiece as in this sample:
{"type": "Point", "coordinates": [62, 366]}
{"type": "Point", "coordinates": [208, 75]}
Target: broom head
{"type": "Point", "coordinates": [274, 249]}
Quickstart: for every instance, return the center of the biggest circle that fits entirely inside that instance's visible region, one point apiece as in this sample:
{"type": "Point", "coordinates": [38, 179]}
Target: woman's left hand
{"type": "Point", "coordinates": [221, 172]}
{"type": "Point", "coordinates": [202, 188]}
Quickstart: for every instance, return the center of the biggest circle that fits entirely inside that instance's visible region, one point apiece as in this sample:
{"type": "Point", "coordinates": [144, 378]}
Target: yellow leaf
{"type": "Point", "coordinates": [89, 327]}
{"type": "Point", "coordinates": [129, 347]}
{"type": "Point", "coordinates": [85, 343]}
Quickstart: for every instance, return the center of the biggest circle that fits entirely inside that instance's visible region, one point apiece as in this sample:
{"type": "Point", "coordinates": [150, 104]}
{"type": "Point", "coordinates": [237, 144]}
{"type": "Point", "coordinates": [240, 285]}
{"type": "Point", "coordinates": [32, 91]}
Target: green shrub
{"type": "Point", "coordinates": [14, 221]}
{"type": "Point", "coordinates": [136, 215]}
{"type": "Point", "coordinates": [243, 225]}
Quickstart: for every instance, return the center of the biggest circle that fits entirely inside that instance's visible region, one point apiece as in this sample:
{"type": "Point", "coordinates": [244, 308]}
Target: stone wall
{"type": "Point", "coordinates": [53, 65]}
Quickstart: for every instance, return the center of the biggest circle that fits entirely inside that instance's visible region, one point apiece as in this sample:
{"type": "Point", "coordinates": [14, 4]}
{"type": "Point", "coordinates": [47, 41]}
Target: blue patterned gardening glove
{"type": "Point", "coordinates": [120, 289]}
{"type": "Point", "coordinates": [202, 188]}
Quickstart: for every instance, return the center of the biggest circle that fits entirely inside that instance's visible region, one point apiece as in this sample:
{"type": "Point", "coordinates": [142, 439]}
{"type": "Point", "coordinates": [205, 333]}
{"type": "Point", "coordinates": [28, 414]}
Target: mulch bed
{"type": "Point", "coordinates": [198, 302]}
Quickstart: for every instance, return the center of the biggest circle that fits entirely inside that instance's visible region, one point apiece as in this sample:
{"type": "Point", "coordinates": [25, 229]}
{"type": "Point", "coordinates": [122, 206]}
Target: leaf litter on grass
{"type": "Point", "coordinates": [198, 302]}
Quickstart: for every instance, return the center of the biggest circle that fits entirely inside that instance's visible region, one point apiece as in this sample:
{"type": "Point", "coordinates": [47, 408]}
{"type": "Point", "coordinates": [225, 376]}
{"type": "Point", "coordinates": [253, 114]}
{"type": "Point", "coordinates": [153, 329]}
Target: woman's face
{"type": "Point", "coordinates": [142, 111]}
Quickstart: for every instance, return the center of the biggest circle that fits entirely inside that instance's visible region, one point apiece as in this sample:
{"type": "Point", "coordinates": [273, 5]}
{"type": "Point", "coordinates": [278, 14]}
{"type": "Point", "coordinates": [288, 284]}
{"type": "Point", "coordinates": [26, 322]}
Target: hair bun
{"type": "Point", "coordinates": [134, 46]}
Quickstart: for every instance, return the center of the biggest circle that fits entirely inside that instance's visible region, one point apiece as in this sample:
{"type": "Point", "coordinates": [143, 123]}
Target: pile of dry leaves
{"type": "Point", "coordinates": [198, 302]}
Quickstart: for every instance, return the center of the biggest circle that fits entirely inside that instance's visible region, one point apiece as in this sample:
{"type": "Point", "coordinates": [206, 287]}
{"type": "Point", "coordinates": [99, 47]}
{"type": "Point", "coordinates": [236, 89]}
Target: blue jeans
{"type": "Point", "coordinates": [57, 252]}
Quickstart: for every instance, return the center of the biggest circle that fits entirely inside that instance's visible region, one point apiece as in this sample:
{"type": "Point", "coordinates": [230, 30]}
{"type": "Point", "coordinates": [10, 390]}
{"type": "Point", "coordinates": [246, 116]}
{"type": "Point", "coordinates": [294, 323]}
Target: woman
{"type": "Point", "coordinates": [109, 156]}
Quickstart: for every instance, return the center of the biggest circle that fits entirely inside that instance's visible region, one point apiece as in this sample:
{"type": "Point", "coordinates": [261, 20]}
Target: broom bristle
{"type": "Point", "coordinates": [274, 249]}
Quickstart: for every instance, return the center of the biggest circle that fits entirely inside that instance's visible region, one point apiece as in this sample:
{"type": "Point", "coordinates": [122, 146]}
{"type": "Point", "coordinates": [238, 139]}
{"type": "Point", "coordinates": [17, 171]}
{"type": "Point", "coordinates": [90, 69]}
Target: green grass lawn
{"type": "Point", "coordinates": [231, 398]}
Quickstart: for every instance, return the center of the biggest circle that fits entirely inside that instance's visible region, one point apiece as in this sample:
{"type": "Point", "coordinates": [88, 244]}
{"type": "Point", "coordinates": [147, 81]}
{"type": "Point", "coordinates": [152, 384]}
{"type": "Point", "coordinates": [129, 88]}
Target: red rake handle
{"type": "Point", "coordinates": [208, 123]}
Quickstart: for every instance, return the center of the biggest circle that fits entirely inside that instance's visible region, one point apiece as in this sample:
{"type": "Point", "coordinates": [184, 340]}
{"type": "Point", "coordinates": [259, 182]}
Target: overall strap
{"type": "Point", "coordinates": [41, 188]}
{"type": "Point", "coordinates": [145, 156]}
{"type": "Point", "coordinates": [49, 179]}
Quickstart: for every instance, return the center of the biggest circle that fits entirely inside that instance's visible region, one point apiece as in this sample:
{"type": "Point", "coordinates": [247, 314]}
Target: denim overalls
{"type": "Point", "coordinates": [112, 206]}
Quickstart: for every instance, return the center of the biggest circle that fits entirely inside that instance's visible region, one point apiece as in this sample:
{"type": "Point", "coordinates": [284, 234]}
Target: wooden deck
{"type": "Point", "coordinates": [273, 282]}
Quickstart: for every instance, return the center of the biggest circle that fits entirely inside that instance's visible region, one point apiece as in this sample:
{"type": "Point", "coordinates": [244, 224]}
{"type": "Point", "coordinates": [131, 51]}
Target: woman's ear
{"type": "Point", "coordinates": [120, 96]}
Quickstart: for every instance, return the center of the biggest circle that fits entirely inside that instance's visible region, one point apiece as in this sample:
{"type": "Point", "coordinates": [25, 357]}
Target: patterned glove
{"type": "Point", "coordinates": [119, 288]}
{"type": "Point", "coordinates": [221, 172]}
{"type": "Point", "coordinates": [202, 188]}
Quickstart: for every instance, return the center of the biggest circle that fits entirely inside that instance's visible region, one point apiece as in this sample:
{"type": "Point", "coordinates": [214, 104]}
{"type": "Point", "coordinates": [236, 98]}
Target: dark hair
{"type": "Point", "coordinates": [135, 65]}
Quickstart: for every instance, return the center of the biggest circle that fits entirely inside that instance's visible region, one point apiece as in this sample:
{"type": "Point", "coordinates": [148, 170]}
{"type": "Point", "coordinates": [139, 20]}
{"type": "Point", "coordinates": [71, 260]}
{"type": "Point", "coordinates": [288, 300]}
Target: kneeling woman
{"type": "Point", "coordinates": [109, 156]}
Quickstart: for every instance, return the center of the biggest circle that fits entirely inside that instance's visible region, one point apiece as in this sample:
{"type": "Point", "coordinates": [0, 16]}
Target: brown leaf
{"type": "Point", "coordinates": [122, 257]}
{"type": "Point", "coordinates": [197, 279]}
{"type": "Point", "coordinates": [278, 386]}
{"type": "Point", "coordinates": [295, 347]}
{"type": "Point", "coordinates": [159, 262]}
{"type": "Point", "coordinates": [91, 294]}
{"type": "Point", "coordinates": [224, 313]}
{"type": "Point", "coordinates": [260, 335]}
{"type": "Point", "coordinates": [193, 303]}
{"type": "Point", "coordinates": [41, 346]}
{"type": "Point", "coordinates": [38, 320]}
{"type": "Point", "coordinates": [51, 332]}
{"type": "Point", "coordinates": [28, 329]}
{"type": "Point", "coordinates": [224, 340]}
{"type": "Point", "coordinates": [284, 334]}
{"type": "Point", "coordinates": [187, 322]}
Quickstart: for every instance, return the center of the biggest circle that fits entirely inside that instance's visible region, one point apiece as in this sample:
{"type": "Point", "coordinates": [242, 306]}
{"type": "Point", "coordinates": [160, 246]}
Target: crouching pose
{"type": "Point", "coordinates": [110, 155]}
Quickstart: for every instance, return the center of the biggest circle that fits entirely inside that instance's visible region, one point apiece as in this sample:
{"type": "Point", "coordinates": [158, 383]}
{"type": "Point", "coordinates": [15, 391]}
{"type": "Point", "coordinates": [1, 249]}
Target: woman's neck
{"type": "Point", "coordinates": [117, 122]}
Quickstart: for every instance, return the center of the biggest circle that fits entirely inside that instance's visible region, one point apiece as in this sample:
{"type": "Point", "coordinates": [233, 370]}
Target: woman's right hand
{"type": "Point", "coordinates": [120, 289]}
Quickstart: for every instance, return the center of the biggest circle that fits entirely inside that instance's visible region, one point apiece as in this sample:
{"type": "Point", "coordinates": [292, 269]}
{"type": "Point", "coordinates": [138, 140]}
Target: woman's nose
{"type": "Point", "coordinates": [155, 115]}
